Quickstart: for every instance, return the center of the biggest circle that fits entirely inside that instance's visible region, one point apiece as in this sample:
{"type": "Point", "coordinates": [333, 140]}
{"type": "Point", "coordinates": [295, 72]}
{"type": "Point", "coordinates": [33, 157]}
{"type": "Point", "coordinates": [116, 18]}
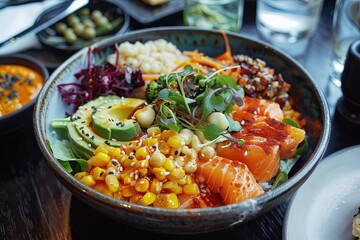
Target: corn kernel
{"type": "Point", "coordinates": [112, 183]}
{"type": "Point", "coordinates": [114, 152]}
{"type": "Point", "coordinates": [191, 188]}
{"type": "Point", "coordinates": [170, 186]}
{"type": "Point", "coordinates": [142, 164]}
{"type": "Point", "coordinates": [157, 159]}
{"type": "Point", "coordinates": [88, 180]}
{"type": "Point", "coordinates": [142, 185]}
{"type": "Point", "coordinates": [183, 180]}
{"type": "Point", "coordinates": [175, 152]}
{"type": "Point", "coordinates": [175, 141]}
{"type": "Point", "coordinates": [127, 179]}
{"type": "Point", "coordinates": [169, 164]}
{"type": "Point", "coordinates": [190, 167]}
{"type": "Point", "coordinates": [80, 175]}
{"type": "Point", "coordinates": [152, 131]}
{"type": "Point", "coordinates": [128, 191]}
{"type": "Point", "coordinates": [168, 200]}
{"type": "Point", "coordinates": [143, 172]}
{"type": "Point", "coordinates": [165, 135]}
{"type": "Point", "coordinates": [102, 188]}
{"type": "Point", "coordinates": [135, 198]}
{"type": "Point", "coordinates": [178, 173]}
{"type": "Point", "coordinates": [101, 159]}
{"type": "Point", "coordinates": [206, 153]}
{"type": "Point", "coordinates": [130, 162]}
{"type": "Point", "coordinates": [102, 147]}
{"type": "Point", "coordinates": [147, 199]}
{"type": "Point", "coordinates": [160, 173]}
{"type": "Point", "coordinates": [141, 153]}
{"type": "Point", "coordinates": [126, 172]}
{"type": "Point", "coordinates": [117, 195]}
{"type": "Point", "coordinates": [98, 173]}
{"type": "Point", "coordinates": [155, 186]}
{"type": "Point", "coordinates": [164, 148]}
{"type": "Point", "coordinates": [152, 142]}
{"type": "Point", "coordinates": [179, 190]}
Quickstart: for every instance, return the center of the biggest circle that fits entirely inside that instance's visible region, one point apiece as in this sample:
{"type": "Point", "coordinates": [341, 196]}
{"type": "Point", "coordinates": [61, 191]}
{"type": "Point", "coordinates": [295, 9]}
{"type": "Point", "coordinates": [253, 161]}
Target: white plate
{"type": "Point", "coordinates": [324, 205]}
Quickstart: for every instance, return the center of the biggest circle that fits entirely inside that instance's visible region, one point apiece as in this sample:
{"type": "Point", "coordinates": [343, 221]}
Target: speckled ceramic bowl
{"type": "Point", "coordinates": [15, 120]}
{"type": "Point", "coordinates": [310, 102]}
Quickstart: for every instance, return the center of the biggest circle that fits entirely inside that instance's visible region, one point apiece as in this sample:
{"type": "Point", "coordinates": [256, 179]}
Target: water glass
{"type": "Point", "coordinates": [346, 29]}
{"type": "Point", "coordinates": [218, 14]}
{"type": "Point", "coordinates": [287, 21]}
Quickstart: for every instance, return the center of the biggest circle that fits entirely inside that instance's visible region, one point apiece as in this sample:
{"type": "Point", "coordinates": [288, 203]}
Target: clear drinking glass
{"type": "Point", "coordinates": [346, 29]}
{"type": "Point", "coordinates": [287, 21]}
{"type": "Point", "coordinates": [218, 14]}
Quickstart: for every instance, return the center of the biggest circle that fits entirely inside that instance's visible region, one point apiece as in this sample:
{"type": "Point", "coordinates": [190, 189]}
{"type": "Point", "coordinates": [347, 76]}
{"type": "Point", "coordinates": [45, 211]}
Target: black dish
{"type": "Point", "coordinates": [111, 10]}
{"type": "Point", "coordinates": [17, 119]}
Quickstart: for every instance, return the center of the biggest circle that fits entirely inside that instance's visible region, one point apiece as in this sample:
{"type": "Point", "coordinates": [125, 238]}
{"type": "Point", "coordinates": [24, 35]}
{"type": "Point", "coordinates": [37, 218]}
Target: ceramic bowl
{"type": "Point", "coordinates": [15, 120]}
{"type": "Point", "coordinates": [48, 36]}
{"type": "Point", "coordinates": [309, 101]}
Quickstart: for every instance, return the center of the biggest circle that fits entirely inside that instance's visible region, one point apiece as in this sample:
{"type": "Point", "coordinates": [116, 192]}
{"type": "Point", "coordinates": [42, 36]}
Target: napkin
{"type": "Point", "coordinates": [15, 19]}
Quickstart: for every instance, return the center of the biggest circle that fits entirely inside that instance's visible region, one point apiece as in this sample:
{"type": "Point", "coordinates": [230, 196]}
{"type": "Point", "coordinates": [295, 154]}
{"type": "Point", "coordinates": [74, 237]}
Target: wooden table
{"type": "Point", "coordinates": [35, 205]}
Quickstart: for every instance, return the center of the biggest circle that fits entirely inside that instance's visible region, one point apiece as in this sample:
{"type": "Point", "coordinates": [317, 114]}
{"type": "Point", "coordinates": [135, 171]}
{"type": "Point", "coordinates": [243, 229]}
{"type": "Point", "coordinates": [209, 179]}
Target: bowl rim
{"type": "Point", "coordinates": [298, 178]}
{"type": "Point", "coordinates": [43, 71]}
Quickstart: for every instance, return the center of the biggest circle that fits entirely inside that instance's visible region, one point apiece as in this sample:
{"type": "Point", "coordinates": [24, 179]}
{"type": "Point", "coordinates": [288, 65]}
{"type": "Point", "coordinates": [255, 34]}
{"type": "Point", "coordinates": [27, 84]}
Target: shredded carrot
{"type": "Point", "coordinates": [208, 62]}
{"type": "Point", "coordinates": [227, 55]}
{"type": "Point", "coordinates": [150, 77]}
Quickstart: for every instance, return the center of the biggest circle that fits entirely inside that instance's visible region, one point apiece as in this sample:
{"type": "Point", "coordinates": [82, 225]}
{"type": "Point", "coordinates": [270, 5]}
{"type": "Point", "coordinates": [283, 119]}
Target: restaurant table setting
{"type": "Point", "coordinates": [40, 200]}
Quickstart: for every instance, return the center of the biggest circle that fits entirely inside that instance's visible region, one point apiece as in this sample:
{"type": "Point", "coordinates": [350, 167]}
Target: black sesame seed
{"type": "Point", "coordinates": [131, 157]}
{"type": "Point", "coordinates": [107, 142]}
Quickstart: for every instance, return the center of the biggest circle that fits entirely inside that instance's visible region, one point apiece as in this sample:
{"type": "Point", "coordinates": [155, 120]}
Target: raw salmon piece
{"type": "Point", "coordinates": [261, 107]}
{"type": "Point", "coordinates": [263, 125]}
{"type": "Point", "coordinates": [260, 155]}
{"type": "Point", "coordinates": [231, 179]}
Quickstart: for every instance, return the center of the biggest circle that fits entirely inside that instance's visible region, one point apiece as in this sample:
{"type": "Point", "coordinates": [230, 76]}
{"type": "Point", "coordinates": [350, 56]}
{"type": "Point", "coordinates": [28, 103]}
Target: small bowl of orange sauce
{"type": "Point", "coordinates": [21, 79]}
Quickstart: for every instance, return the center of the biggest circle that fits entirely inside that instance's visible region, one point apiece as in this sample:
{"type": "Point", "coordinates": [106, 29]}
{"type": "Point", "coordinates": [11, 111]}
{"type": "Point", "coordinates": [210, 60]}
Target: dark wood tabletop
{"type": "Point", "coordinates": [35, 205]}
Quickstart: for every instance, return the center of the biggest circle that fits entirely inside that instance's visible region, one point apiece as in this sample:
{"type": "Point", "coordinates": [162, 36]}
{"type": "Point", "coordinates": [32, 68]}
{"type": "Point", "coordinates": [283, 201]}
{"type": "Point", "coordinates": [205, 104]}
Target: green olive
{"type": "Point", "coordinates": [89, 33]}
{"type": "Point", "coordinates": [96, 14]}
{"type": "Point", "coordinates": [101, 21]}
{"type": "Point", "coordinates": [88, 23]}
{"type": "Point", "coordinates": [84, 12]}
{"type": "Point", "coordinates": [79, 29]}
{"type": "Point", "coordinates": [72, 20]}
{"type": "Point", "coordinates": [70, 36]}
{"type": "Point", "coordinates": [60, 27]}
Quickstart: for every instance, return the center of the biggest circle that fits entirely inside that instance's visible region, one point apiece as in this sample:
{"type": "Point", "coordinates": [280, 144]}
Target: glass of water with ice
{"type": "Point", "coordinates": [287, 21]}
{"type": "Point", "coordinates": [346, 29]}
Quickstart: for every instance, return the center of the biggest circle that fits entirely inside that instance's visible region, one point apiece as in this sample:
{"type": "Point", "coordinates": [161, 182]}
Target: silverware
{"type": "Point", "coordinates": [73, 6]}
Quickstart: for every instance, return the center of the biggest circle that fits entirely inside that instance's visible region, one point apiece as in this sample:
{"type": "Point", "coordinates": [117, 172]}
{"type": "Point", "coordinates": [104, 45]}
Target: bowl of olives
{"type": "Point", "coordinates": [94, 22]}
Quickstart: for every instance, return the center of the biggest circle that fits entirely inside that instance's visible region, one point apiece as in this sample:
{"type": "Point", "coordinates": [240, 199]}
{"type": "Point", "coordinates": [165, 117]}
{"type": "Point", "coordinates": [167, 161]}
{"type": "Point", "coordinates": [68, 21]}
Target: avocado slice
{"type": "Point", "coordinates": [112, 119]}
{"type": "Point", "coordinates": [82, 148]}
{"type": "Point", "coordinates": [82, 121]}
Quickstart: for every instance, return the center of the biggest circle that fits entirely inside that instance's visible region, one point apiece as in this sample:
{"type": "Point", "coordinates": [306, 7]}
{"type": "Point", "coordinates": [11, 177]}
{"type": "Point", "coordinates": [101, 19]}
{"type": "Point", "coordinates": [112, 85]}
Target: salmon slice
{"type": "Point", "coordinates": [263, 125]}
{"type": "Point", "coordinates": [260, 155]}
{"type": "Point", "coordinates": [261, 107]}
{"type": "Point", "coordinates": [267, 139]}
{"type": "Point", "coordinates": [231, 179]}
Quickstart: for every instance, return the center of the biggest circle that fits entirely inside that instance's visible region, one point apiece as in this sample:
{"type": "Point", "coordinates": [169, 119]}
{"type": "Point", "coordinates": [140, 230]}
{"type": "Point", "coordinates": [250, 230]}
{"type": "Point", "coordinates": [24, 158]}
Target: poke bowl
{"type": "Point", "coordinates": [198, 146]}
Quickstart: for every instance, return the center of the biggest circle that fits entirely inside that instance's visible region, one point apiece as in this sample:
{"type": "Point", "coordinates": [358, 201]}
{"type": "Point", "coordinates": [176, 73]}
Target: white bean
{"type": "Point", "coordinates": [219, 119]}
{"type": "Point", "coordinates": [145, 116]}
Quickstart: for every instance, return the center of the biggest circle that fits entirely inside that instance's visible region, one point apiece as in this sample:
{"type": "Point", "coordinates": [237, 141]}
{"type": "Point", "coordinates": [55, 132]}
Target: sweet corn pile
{"type": "Point", "coordinates": [151, 171]}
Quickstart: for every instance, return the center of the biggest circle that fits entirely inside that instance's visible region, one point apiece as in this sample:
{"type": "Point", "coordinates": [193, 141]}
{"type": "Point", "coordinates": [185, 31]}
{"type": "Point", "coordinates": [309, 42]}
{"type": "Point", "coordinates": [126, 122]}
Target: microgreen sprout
{"type": "Point", "coordinates": [185, 99]}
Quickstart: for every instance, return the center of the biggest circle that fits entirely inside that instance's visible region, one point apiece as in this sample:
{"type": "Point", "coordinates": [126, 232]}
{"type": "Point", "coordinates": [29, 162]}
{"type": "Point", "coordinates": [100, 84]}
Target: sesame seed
{"type": "Point", "coordinates": [246, 153]}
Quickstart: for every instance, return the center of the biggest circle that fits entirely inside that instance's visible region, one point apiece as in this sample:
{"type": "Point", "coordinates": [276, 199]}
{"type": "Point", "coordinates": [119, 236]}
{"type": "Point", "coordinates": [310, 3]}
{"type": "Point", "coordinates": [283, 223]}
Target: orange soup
{"type": "Point", "coordinates": [18, 86]}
